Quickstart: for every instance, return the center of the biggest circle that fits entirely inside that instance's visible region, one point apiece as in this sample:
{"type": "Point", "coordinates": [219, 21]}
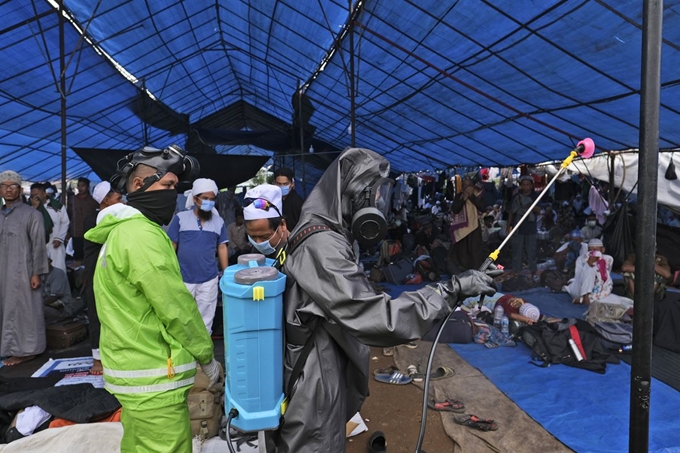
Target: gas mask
{"type": "Point", "coordinates": [369, 224]}
{"type": "Point", "coordinates": [172, 159]}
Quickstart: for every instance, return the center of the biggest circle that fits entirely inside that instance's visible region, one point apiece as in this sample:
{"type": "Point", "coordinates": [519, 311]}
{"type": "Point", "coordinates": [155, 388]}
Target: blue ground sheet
{"type": "Point", "coordinates": [588, 412]}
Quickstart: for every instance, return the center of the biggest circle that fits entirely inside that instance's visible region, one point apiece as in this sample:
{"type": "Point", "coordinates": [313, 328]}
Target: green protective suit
{"type": "Point", "coordinates": [151, 330]}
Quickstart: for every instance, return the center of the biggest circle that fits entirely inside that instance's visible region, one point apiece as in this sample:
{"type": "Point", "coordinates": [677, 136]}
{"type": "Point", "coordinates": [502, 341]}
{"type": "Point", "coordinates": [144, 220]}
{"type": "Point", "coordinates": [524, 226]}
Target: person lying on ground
{"type": "Point", "coordinates": [517, 309]}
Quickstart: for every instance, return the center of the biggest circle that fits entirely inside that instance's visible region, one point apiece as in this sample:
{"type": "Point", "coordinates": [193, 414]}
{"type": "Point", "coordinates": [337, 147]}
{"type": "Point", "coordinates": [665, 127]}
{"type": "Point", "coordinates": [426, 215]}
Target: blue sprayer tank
{"type": "Point", "coordinates": [252, 295]}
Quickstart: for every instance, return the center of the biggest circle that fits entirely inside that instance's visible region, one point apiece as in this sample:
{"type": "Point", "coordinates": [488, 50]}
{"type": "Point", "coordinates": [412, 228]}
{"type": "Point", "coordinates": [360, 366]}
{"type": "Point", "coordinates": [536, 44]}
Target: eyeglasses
{"type": "Point", "coordinates": [261, 203]}
{"type": "Point", "coordinates": [10, 186]}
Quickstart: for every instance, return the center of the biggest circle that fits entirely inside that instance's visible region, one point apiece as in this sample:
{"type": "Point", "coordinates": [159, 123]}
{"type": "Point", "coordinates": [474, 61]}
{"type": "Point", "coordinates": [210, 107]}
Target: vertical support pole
{"type": "Point", "coordinates": [645, 236]}
{"type": "Point", "coordinates": [352, 93]}
{"type": "Point", "coordinates": [62, 93]}
{"type": "Point", "coordinates": [612, 180]}
{"type": "Point", "coordinates": [302, 140]}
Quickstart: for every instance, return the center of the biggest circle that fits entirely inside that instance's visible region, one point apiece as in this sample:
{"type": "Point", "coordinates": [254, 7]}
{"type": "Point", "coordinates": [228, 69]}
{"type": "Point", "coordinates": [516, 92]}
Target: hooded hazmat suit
{"type": "Point", "coordinates": [151, 331]}
{"type": "Point", "coordinates": [329, 294]}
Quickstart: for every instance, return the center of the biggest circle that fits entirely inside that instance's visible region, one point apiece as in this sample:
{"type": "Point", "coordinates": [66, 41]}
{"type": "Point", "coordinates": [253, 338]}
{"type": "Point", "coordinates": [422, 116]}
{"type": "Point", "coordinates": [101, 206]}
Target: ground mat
{"type": "Point", "coordinates": [588, 412]}
{"type": "Point", "coordinates": [517, 432]}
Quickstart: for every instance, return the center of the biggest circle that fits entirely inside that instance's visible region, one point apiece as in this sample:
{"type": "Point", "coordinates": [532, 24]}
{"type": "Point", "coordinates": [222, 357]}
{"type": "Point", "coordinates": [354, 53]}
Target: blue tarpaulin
{"type": "Point", "coordinates": [437, 83]}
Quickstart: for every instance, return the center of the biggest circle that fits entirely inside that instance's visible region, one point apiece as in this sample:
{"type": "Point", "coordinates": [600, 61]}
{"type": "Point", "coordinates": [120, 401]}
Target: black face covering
{"type": "Point", "coordinates": [156, 205]}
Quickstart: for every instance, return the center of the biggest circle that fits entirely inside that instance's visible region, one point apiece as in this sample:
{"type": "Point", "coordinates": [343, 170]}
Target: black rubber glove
{"type": "Point", "coordinates": [468, 284]}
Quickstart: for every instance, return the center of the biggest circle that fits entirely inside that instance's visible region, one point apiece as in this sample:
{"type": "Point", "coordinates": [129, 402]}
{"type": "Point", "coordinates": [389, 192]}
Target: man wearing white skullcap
{"type": "Point", "coordinates": [198, 235]}
{"type": "Point", "coordinates": [105, 196]}
{"type": "Point", "coordinates": [23, 259]}
{"type": "Point", "coordinates": [266, 228]}
{"type": "Point", "coordinates": [592, 278]}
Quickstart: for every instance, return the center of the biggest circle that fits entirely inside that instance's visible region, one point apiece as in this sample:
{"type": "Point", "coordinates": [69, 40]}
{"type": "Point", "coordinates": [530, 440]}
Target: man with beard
{"type": "Point", "coordinates": [23, 259]}
{"type": "Point", "coordinates": [330, 303]}
{"type": "Point", "coordinates": [199, 235]}
{"type": "Point", "coordinates": [151, 331]}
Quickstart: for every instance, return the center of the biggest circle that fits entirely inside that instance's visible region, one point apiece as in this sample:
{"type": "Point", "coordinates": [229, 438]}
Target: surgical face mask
{"type": "Point", "coordinates": [285, 190]}
{"type": "Point", "coordinates": [592, 223]}
{"type": "Point", "coordinates": [397, 223]}
{"type": "Point", "coordinates": [207, 205]}
{"type": "Point", "coordinates": [265, 247]}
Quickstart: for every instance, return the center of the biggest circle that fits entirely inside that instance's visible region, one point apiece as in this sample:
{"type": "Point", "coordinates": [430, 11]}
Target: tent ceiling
{"type": "Point", "coordinates": [438, 83]}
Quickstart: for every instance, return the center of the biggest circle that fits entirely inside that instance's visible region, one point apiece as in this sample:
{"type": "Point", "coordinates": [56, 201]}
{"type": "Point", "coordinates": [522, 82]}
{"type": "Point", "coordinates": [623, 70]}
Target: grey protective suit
{"type": "Point", "coordinates": [327, 292]}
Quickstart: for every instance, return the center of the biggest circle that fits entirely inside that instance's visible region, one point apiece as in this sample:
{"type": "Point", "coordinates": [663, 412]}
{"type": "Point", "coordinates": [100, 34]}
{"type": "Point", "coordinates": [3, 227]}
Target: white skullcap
{"type": "Point", "coordinates": [11, 176]}
{"type": "Point", "coordinates": [100, 191]}
{"type": "Point", "coordinates": [50, 190]}
{"type": "Point", "coordinates": [595, 242]}
{"type": "Point", "coordinates": [201, 185]}
{"type": "Point", "coordinates": [530, 311]}
{"type": "Point", "coordinates": [267, 192]}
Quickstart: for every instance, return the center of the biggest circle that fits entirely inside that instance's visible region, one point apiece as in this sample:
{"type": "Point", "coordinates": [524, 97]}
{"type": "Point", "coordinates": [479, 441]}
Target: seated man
{"type": "Point", "coordinates": [591, 230]}
{"type": "Point", "coordinates": [566, 255]}
{"type": "Point", "coordinates": [592, 279]}
{"type": "Point", "coordinates": [662, 275]}
{"type": "Point", "coordinates": [57, 297]}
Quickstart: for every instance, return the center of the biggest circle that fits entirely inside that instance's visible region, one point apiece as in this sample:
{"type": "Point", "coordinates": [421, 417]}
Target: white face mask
{"type": "Point", "coordinates": [592, 223]}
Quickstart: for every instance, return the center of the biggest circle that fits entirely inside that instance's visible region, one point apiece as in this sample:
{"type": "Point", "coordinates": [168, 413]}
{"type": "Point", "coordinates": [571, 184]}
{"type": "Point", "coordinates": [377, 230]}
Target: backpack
{"type": "Point", "coordinates": [553, 280]}
{"type": "Point", "coordinates": [206, 407]}
{"type": "Point", "coordinates": [549, 343]}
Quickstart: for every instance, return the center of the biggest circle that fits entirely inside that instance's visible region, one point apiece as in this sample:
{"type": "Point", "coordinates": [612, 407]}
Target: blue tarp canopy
{"type": "Point", "coordinates": [438, 83]}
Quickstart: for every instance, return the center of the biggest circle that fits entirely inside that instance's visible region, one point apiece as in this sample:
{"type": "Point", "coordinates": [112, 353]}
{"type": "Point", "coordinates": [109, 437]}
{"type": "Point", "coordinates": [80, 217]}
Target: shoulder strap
{"type": "Point", "coordinates": [297, 240]}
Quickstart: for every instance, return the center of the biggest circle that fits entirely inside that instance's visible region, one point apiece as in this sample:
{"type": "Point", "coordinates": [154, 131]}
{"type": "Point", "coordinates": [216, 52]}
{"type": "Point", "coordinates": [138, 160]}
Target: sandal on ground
{"type": "Point", "coordinates": [446, 405]}
{"type": "Point", "coordinates": [388, 352]}
{"type": "Point", "coordinates": [397, 378]}
{"type": "Point", "coordinates": [377, 443]}
{"type": "Point", "coordinates": [473, 421]}
{"type": "Point", "coordinates": [389, 370]}
{"type": "Point", "coordinates": [441, 373]}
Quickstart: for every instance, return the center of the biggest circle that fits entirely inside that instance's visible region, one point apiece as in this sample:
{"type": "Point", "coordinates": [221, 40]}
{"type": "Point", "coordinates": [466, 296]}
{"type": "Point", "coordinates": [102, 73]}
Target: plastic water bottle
{"type": "Point", "coordinates": [626, 348]}
{"type": "Point", "coordinates": [498, 316]}
{"type": "Point", "coordinates": [505, 325]}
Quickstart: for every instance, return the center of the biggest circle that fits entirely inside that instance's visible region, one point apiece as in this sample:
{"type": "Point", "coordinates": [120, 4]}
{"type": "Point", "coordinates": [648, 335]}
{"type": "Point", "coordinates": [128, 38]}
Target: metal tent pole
{"type": "Point", "coordinates": [352, 94]}
{"type": "Point", "coordinates": [645, 236]}
{"type": "Point", "coordinates": [302, 139]}
{"type": "Point", "coordinates": [62, 93]}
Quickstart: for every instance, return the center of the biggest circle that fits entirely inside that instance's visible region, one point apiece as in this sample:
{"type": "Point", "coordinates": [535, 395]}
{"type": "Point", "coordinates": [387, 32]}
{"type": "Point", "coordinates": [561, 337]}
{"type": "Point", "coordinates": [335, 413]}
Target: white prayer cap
{"type": "Point", "coordinates": [530, 311]}
{"type": "Point", "coordinates": [203, 185]}
{"type": "Point", "coordinates": [595, 242]}
{"type": "Point", "coordinates": [10, 176]}
{"type": "Point", "coordinates": [100, 191]}
{"type": "Point", "coordinates": [267, 192]}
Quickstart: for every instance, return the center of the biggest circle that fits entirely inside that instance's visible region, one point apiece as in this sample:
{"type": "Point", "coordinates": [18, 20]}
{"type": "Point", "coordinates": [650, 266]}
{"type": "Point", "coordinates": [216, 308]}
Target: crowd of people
{"type": "Point", "coordinates": [139, 252]}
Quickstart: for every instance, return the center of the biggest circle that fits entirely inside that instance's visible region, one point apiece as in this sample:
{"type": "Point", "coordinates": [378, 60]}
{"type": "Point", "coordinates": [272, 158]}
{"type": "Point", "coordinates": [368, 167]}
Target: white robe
{"type": "Point", "coordinates": [588, 280]}
{"type": "Point", "coordinates": [59, 230]}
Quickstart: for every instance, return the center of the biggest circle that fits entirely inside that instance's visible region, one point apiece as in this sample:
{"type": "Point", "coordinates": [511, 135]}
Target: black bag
{"type": "Point", "coordinates": [425, 267]}
{"type": "Point", "coordinates": [618, 235]}
{"type": "Point", "coordinates": [396, 272]}
{"type": "Point", "coordinates": [553, 280]}
{"type": "Point", "coordinates": [457, 330]}
{"type": "Point", "coordinates": [549, 343]}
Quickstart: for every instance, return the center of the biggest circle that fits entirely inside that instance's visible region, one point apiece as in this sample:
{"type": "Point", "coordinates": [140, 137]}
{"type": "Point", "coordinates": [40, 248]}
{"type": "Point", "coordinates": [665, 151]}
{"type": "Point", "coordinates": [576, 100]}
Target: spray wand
{"type": "Point", "coordinates": [585, 149]}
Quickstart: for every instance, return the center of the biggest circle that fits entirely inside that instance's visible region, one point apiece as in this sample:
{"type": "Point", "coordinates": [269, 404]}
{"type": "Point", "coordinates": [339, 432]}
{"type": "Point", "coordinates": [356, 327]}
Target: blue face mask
{"type": "Point", "coordinates": [207, 205]}
{"type": "Point", "coordinates": [265, 247]}
{"type": "Point", "coordinates": [285, 190]}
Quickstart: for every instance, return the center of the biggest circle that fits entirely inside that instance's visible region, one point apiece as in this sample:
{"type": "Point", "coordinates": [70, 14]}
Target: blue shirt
{"type": "Point", "coordinates": [197, 245]}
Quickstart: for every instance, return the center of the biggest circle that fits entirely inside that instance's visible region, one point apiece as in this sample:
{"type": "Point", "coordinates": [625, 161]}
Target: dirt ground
{"type": "Point", "coordinates": [396, 411]}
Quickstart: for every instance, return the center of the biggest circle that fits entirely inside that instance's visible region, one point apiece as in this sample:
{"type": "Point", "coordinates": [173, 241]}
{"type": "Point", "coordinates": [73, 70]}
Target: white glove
{"type": "Point", "coordinates": [212, 370]}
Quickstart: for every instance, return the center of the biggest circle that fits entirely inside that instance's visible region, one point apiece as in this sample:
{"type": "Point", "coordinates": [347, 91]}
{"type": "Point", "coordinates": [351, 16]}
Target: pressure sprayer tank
{"type": "Point", "coordinates": [253, 341]}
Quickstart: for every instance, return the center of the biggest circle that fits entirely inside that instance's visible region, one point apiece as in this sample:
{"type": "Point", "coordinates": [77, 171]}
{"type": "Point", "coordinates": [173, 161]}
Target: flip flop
{"type": "Point", "coordinates": [397, 378]}
{"type": "Point", "coordinates": [377, 443]}
{"type": "Point", "coordinates": [473, 421]}
{"type": "Point", "coordinates": [446, 405]}
{"type": "Point", "coordinates": [442, 372]}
